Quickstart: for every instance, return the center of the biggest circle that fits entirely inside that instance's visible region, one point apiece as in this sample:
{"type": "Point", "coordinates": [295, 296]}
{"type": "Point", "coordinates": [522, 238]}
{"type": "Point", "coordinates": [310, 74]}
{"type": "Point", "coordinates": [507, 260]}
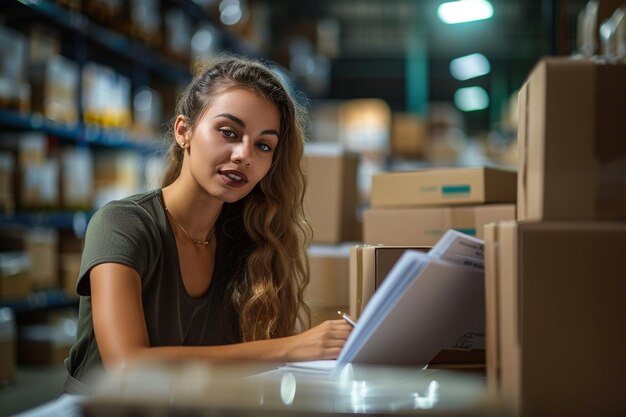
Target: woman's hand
{"type": "Point", "coordinates": [323, 341]}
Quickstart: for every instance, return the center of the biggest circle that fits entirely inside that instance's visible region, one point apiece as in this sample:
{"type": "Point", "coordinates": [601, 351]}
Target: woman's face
{"type": "Point", "coordinates": [232, 145]}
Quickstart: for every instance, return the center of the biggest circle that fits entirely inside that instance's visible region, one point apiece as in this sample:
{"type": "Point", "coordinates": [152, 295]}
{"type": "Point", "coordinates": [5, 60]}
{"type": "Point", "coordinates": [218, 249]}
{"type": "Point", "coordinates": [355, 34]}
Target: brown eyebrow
{"type": "Point", "coordinates": [242, 124]}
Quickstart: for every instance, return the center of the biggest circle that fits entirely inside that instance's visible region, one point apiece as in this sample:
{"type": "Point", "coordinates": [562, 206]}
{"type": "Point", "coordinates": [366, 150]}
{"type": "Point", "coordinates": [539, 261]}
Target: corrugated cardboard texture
{"type": "Point", "coordinates": [443, 187]}
{"type": "Point", "coordinates": [425, 226]}
{"type": "Point", "coordinates": [328, 286]}
{"type": "Point", "coordinates": [572, 152]}
{"type": "Point", "coordinates": [331, 197]}
{"type": "Point", "coordinates": [562, 317]}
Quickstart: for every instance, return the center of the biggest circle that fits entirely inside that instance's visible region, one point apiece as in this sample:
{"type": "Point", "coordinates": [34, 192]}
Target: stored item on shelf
{"type": "Point", "coordinates": [44, 43]}
{"type": "Point", "coordinates": [572, 152]}
{"type": "Point", "coordinates": [47, 340]}
{"type": "Point", "coordinates": [327, 290]}
{"type": "Point", "coordinates": [117, 174]}
{"type": "Point", "coordinates": [75, 5]}
{"type": "Point", "coordinates": [14, 89]}
{"type": "Point", "coordinates": [41, 244]}
{"type": "Point", "coordinates": [147, 114]}
{"type": "Point", "coordinates": [77, 178]}
{"type": "Point", "coordinates": [557, 294]}
{"type": "Point", "coordinates": [369, 265]}
{"type": "Point", "coordinates": [441, 186]}
{"type": "Point", "coordinates": [205, 44]}
{"type": "Point", "coordinates": [364, 125]}
{"type": "Point", "coordinates": [54, 84]}
{"type": "Point", "coordinates": [331, 195]}
{"type": "Point", "coordinates": [111, 13]}
{"type": "Point", "coordinates": [425, 225]}
{"type": "Point", "coordinates": [8, 338]}
{"type": "Point", "coordinates": [14, 275]}
{"type": "Point", "coordinates": [178, 36]}
{"type": "Point", "coordinates": [106, 97]}
{"type": "Point", "coordinates": [409, 136]}
{"type": "Point", "coordinates": [7, 176]}
{"type": "Point", "coordinates": [39, 173]}
{"type": "Point", "coordinates": [145, 21]}
{"type": "Point", "coordinates": [70, 268]}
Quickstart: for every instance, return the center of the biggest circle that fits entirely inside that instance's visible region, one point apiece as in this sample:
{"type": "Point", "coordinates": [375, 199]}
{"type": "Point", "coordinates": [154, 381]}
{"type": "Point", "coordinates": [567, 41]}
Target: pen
{"type": "Point", "coordinates": [347, 318]}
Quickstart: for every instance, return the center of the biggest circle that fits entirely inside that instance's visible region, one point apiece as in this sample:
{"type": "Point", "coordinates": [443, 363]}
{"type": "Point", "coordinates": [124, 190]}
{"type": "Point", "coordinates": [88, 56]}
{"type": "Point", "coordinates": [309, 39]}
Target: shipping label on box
{"type": "Point", "coordinates": [424, 226]}
{"type": "Point", "coordinates": [443, 187]}
{"type": "Point", "coordinates": [572, 152]}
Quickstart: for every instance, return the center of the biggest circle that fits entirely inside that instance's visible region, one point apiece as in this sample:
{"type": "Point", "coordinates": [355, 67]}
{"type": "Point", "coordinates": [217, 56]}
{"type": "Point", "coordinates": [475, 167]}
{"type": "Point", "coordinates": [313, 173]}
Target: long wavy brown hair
{"type": "Point", "coordinates": [269, 296]}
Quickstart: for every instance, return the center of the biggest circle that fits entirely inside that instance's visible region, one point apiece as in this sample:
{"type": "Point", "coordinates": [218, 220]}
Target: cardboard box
{"type": "Point", "coordinates": [42, 247]}
{"type": "Point", "coordinates": [46, 337]}
{"type": "Point", "coordinates": [492, 316]}
{"type": "Point", "coordinates": [70, 268]}
{"type": "Point", "coordinates": [8, 361]}
{"type": "Point", "coordinates": [560, 317]}
{"type": "Point", "coordinates": [369, 265]}
{"type": "Point", "coordinates": [7, 187]}
{"type": "Point", "coordinates": [409, 136]}
{"type": "Point", "coordinates": [327, 291]}
{"type": "Point", "coordinates": [14, 89]}
{"type": "Point", "coordinates": [55, 86]}
{"type": "Point", "coordinates": [77, 178]}
{"type": "Point", "coordinates": [443, 187]}
{"type": "Point", "coordinates": [331, 195]}
{"type": "Point", "coordinates": [38, 172]}
{"type": "Point", "coordinates": [572, 153]}
{"type": "Point", "coordinates": [424, 226]}
{"type": "Point", "coordinates": [14, 275]}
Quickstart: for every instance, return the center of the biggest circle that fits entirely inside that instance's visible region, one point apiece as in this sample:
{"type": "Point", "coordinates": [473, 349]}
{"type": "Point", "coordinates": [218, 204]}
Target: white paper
{"type": "Point", "coordinates": [424, 305]}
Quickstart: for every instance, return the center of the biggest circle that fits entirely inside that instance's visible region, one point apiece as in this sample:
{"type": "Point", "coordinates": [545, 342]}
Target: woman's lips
{"type": "Point", "coordinates": [234, 178]}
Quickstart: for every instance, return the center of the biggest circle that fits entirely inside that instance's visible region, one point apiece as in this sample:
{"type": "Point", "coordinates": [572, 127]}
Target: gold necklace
{"type": "Point", "coordinates": [194, 241]}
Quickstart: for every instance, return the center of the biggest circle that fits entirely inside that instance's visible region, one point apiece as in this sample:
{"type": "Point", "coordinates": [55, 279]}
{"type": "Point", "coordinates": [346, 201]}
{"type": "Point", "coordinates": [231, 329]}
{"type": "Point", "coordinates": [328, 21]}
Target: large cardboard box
{"type": "Point", "coordinates": [572, 152]}
{"type": "Point", "coordinates": [369, 265]}
{"type": "Point", "coordinates": [441, 186]}
{"type": "Point", "coordinates": [561, 317]}
{"type": "Point", "coordinates": [331, 196]}
{"type": "Point", "coordinates": [424, 226]}
{"type": "Point", "coordinates": [327, 291]}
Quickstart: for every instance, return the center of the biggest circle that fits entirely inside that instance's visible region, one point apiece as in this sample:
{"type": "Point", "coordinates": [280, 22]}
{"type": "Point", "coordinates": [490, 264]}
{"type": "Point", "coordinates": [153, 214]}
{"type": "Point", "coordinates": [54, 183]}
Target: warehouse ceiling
{"type": "Point", "coordinates": [399, 49]}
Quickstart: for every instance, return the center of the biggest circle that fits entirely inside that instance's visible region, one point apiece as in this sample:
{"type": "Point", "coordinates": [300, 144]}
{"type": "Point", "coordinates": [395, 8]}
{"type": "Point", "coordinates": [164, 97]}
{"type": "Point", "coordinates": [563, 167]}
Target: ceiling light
{"type": "Point", "coordinates": [464, 11]}
{"type": "Point", "coordinates": [471, 99]}
{"type": "Point", "coordinates": [469, 66]}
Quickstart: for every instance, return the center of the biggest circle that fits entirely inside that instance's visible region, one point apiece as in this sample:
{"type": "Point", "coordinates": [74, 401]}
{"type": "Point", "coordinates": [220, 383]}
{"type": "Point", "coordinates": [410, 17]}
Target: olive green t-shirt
{"type": "Point", "coordinates": [135, 232]}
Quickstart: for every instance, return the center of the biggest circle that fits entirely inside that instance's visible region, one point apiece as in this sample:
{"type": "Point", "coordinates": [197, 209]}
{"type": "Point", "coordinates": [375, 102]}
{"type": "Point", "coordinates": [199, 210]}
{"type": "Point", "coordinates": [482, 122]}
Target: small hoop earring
{"type": "Point", "coordinates": [182, 145]}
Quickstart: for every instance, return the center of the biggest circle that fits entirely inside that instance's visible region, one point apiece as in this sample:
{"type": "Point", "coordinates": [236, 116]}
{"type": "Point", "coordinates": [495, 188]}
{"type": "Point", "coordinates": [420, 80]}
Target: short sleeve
{"type": "Point", "coordinates": [121, 232]}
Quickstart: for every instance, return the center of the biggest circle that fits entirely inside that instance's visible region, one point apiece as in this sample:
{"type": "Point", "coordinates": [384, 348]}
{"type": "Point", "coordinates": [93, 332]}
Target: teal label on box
{"type": "Point", "coordinates": [456, 189]}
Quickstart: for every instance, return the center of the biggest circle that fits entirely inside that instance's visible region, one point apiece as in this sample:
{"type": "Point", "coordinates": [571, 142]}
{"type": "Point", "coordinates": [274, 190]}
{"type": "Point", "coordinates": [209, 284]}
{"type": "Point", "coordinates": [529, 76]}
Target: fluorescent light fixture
{"type": "Point", "coordinates": [471, 99]}
{"type": "Point", "coordinates": [464, 11]}
{"type": "Point", "coordinates": [469, 66]}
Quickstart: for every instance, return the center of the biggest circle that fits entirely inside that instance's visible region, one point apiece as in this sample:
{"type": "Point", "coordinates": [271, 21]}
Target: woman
{"type": "Point", "coordinates": [212, 265]}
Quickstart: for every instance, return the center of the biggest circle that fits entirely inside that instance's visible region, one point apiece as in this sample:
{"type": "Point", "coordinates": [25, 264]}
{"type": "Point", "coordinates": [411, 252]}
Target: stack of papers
{"type": "Point", "coordinates": [426, 303]}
